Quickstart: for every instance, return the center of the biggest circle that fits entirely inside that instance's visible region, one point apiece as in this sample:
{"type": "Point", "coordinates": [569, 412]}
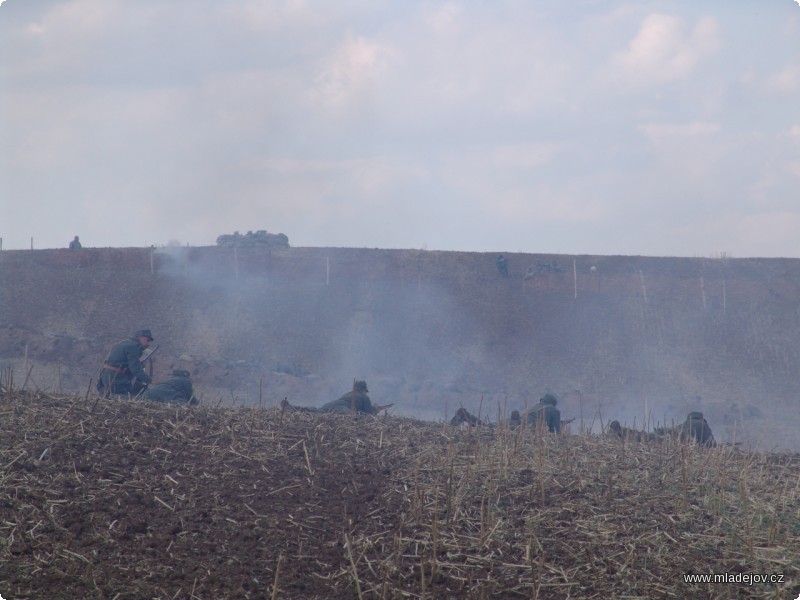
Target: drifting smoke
{"type": "Point", "coordinates": [431, 331]}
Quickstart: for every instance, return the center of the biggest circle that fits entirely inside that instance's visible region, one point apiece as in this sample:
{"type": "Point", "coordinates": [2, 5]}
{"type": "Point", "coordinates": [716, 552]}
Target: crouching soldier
{"type": "Point", "coordinates": [356, 401]}
{"type": "Point", "coordinates": [696, 428]}
{"type": "Point", "coordinates": [545, 412]}
{"type": "Point", "coordinates": [122, 372]}
{"type": "Point", "coordinates": [177, 390]}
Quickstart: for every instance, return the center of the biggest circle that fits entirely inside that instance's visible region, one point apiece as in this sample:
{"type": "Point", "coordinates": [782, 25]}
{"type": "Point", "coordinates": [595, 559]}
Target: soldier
{"type": "Point", "coordinates": [75, 244]}
{"type": "Point", "coordinates": [617, 430]}
{"type": "Point", "coordinates": [122, 371]}
{"type": "Point", "coordinates": [177, 390]}
{"type": "Point", "coordinates": [355, 401]}
{"type": "Point", "coordinates": [464, 416]}
{"type": "Point", "coordinates": [696, 428]}
{"type": "Point", "coordinates": [502, 265]}
{"type": "Point", "coordinates": [546, 412]}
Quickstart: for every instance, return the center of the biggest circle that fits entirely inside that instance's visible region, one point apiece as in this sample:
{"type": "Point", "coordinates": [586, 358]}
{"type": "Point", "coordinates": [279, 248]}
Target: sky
{"type": "Point", "coordinates": [599, 127]}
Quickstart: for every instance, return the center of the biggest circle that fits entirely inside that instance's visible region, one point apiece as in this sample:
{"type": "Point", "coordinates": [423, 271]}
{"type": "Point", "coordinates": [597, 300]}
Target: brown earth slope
{"type": "Point", "coordinates": [629, 338]}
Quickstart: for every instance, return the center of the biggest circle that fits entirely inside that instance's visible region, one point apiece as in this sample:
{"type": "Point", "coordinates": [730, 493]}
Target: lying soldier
{"type": "Point", "coordinates": [355, 401]}
{"type": "Point", "coordinates": [464, 416]}
{"type": "Point", "coordinates": [177, 390]}
{"type": "Point", "coordinates": [694, 429]}
{"type": "Point", "coordinates": [624, 433]}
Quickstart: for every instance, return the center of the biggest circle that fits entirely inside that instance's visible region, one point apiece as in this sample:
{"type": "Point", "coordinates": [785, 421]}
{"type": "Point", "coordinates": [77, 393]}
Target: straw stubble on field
{"type": "Point", "coordinates": [123, 499]}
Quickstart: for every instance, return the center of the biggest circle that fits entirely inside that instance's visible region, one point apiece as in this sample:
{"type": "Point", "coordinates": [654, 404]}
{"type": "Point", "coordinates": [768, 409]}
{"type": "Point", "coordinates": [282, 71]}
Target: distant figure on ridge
{"type": "Point", "coordinates": [75, 244]}
{"type": "Point", "coordinates": [122, 372]}
{"type": "Point", "coordinates": [355, 401]}
{"type": "Point", "coordinates": [502, 265]}
{"type": "Point", "coordinates": [177, 390]}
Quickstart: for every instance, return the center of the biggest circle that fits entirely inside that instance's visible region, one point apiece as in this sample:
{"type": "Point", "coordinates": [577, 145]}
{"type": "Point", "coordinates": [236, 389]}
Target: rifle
{"type": "Point", "coordinates": [147, 355]}
{"type": "Point", "coordinates": [567, 421]}
{"type": "Point", "coordinates": [380, 407]}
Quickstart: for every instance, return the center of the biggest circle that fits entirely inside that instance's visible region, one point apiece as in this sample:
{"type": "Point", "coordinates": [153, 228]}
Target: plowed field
{"type": "Point", "coordinates": [114, 499]}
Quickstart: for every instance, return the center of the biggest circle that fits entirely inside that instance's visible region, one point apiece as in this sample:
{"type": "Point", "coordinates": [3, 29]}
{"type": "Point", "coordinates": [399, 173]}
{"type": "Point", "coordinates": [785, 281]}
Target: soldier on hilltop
{"type": "Point", "coordinates": [502, 265]}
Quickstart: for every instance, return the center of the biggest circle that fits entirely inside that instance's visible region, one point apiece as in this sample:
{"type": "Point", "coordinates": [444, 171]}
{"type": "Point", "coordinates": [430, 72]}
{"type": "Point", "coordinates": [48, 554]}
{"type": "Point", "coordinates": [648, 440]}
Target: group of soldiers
{"type": "Point", "coordinates": [123, 374]}
{"type": "Point", "coordinates": [545, 415]}
{"type": "Point", "coordinates": [694, 429]}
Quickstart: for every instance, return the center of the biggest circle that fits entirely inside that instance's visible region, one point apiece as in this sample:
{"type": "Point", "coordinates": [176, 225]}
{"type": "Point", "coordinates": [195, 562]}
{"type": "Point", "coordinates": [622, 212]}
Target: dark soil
{"type": "Point", "coordinates": [114, 499]}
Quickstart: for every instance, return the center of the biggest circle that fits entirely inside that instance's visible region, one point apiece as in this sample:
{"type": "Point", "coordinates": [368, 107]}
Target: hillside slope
{"type": "Point", "coordinates": [628, 338]}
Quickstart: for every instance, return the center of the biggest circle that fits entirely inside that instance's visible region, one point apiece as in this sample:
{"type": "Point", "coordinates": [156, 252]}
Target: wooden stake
{"type": "Point", "coordinates": [575, 276]}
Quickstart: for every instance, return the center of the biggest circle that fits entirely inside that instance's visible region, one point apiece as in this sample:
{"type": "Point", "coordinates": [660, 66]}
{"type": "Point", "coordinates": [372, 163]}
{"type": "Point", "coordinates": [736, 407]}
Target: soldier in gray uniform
{"type": "Point", "coordinates": [696, 428]}
{"type": "Point", "coordinates": [355, 401]}
{"type": "Point", "coordinates": [502, 265]}
{"type": "Point", "coordinates": [624, 433]}
{"type": "Point", "coordinates": [464, 416]}
{"type": "Point", "coordinates": [122, 372]}
{"type": "Point", "coordinates": [177, 390]}
{"type": "Point", "coordinates": [546, 412]}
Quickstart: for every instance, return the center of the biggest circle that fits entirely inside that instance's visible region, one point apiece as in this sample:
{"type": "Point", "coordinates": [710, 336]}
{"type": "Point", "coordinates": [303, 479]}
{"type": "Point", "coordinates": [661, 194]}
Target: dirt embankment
{"type": "Point", "coordinates": [628, 338]}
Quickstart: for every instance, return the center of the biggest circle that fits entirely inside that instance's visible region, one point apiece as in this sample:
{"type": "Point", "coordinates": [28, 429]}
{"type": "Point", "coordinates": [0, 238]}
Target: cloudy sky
{"type": "Point", "coordinates": [646, 127]}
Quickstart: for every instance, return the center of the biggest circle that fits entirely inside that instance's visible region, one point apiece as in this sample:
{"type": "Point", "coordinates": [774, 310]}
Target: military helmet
{"type": "Point", "coordinates": [144, 333]}
{"type": "Point", "coordinates": [695, 415]}
{"type": "Point", "coordinates": [180, 373]}
{"type": "Point", "coordinates": [549, 399]}
{"type": "Point", "coordinates": [360, 386]}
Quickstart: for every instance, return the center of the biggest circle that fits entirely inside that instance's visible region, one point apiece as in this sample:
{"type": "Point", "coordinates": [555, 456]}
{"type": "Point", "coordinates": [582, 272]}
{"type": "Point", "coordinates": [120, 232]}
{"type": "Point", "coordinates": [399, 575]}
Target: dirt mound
{"type": "Point", "coordinates": [125, 499]}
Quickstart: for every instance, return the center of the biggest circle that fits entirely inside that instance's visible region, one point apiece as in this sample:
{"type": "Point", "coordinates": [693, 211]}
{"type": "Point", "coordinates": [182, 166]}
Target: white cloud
{"type": "Point", "coordinates": [785, 80]}
{"type": "Point", "coordinates": [657, 132]}
{"type": "Point", "coordinates": [347, 74]}
{"type": "Point", "coordinates": [524, 155]}
{"type": "Point", "coordinates": [769, 230]}
{"type": "Point", "coordinates": [271, 16]}
{"type": "Point", "coordinates": [443, 16]}
{"type": "Point", "coordinates": [664, 51]}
